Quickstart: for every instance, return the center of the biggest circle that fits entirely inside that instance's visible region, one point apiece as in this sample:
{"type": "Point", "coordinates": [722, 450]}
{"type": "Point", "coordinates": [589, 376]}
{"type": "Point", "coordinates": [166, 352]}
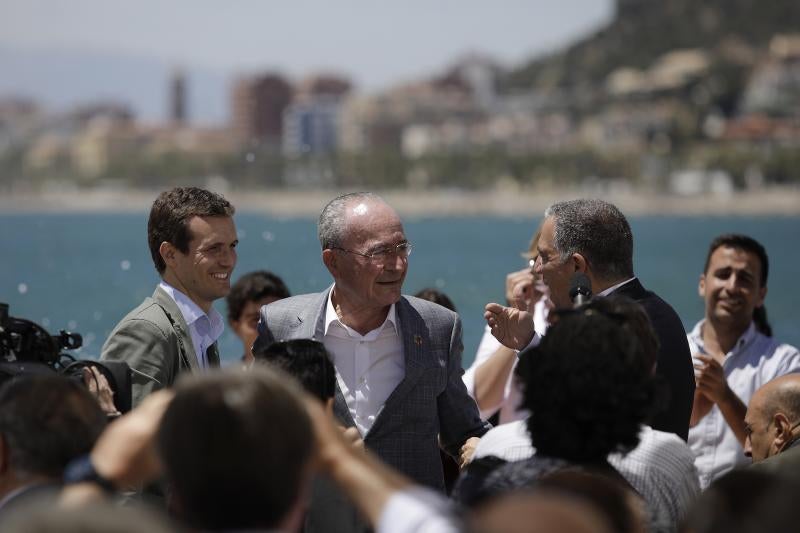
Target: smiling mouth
{"type": "Point", "coordinates": [222, 276]}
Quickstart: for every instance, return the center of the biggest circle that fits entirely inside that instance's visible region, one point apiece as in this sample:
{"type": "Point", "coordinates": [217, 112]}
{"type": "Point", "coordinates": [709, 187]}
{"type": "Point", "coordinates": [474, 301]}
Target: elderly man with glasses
{"type": "Point", "coordinates": [397, 358]}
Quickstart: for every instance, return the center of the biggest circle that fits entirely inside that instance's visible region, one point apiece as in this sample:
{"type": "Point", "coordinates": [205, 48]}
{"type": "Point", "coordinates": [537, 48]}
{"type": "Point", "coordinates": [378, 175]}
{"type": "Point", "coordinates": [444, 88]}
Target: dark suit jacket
{"type": "Point", "coordinates": [786, 463]}
{"type": "Point", "coordinates": [429, 404]}
{"type": "Point", "coordinates": [155, 342]}
{"type": "Point", "coordinates": [674, 359]}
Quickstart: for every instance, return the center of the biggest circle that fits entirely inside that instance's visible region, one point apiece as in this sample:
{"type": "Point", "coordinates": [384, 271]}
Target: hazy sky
{"type": "Point", "coordinates": [375, 42]}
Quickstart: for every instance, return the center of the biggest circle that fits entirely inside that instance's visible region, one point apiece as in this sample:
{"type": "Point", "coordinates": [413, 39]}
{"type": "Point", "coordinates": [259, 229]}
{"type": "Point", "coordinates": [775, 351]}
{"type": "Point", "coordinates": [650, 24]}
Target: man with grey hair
{"type": "Point", "coordinates": [593, 237]}
{"type": "Point", "coordinates": [397, 358]}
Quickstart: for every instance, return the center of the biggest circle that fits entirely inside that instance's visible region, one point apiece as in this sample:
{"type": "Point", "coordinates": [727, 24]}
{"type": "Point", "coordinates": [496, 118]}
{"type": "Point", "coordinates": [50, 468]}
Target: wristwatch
{"type": "Point", "coordinates": [81, 470]}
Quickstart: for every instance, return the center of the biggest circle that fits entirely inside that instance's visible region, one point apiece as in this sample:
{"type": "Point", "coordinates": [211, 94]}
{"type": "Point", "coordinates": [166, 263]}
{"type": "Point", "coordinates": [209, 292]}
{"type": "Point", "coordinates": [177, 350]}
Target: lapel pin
{"type": "Point", "coordinates": [417, 340]}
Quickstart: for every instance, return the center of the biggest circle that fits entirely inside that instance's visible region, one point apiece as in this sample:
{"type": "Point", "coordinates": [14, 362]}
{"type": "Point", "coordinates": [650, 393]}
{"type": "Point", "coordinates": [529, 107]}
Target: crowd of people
{"type": "Point", "coordinates": [587, 408]}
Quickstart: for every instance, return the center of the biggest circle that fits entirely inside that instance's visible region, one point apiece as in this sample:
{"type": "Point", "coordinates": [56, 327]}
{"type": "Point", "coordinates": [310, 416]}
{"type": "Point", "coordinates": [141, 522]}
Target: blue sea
{"type": "Point", "coordinates": [83, 272]}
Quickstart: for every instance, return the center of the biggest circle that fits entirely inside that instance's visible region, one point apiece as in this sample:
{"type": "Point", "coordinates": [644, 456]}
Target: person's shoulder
{"type": "Point", "coordinates": [426, 307]}
{"type": "Point", "coordinates": [292, 303]}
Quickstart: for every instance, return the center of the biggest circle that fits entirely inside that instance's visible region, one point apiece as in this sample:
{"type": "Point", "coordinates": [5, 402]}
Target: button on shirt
{"type": "Point", "coordinates": [204, 329]}
{"type": "Point", "coordinates": [754, 360]}
{"type": "Point", "coordinates": [368, 367]}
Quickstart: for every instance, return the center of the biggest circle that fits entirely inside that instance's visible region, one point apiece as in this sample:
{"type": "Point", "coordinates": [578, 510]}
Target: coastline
{"type": "Point", "coordinates": [511, 202]}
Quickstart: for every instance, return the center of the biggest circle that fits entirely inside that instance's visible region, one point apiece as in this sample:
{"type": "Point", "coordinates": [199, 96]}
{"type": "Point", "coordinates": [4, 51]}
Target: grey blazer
{"type": "Point", "coordinates": [431, 403]}
{"type": "Point", "coordinates": [155, 342]}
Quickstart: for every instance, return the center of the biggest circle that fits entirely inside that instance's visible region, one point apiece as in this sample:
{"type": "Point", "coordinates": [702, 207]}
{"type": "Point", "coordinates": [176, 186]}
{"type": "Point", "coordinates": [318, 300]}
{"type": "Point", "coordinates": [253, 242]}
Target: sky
{"type": "Point", "coordinates": [376, 42]}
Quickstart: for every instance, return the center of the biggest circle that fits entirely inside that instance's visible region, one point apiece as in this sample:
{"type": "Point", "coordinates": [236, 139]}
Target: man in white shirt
{"type": "Point", "coordinates": [734, 353]}
{"type": "Point", "coordinates": [192, 240]}
{"type": "Point", "coordinates": [397, 358]}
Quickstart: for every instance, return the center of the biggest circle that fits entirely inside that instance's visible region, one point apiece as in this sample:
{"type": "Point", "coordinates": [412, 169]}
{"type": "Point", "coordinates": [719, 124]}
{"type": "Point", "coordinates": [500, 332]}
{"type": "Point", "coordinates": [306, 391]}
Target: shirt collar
{"type": "Point", "coordinates": [746, 338]}
{"type": "Point", "coordinates": [332, 318]}
{"type": "Point", "coordinates": [609, 290]}
{"type": "Point", "coordinates": [210, 325]}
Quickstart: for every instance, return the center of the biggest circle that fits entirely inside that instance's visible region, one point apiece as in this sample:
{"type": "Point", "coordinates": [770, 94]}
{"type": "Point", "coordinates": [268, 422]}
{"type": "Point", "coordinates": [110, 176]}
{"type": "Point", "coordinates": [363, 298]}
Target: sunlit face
{"type": "Point", "coordinates": [554, 272]}
{"type": "Point", "coordinates": [758, 443]}
{"type": "Point", "coordinates": [245, 325]}
{"type": "Point", "coordinates": [731, 287]}
{"type": "Point", "coordinates": [363, 283]}
{"type": "Point", "coordinates": [204, 272]}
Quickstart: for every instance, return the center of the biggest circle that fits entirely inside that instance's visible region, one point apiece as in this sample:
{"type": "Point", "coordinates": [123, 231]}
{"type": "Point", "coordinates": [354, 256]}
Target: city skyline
{"type": "Point", "coordinates": [377, 46]}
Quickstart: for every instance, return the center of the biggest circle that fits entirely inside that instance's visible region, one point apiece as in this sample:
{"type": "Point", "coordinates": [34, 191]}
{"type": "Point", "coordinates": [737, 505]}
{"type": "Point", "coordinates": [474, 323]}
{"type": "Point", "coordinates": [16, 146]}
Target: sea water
{"type": "Point", "coordinates": [84, 272]}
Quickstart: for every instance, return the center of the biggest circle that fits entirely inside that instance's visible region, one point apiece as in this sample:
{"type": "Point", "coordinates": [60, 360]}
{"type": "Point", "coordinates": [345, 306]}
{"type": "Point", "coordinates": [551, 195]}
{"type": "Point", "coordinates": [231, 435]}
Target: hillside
{"type": "Point", "coordinates": [643, 30]}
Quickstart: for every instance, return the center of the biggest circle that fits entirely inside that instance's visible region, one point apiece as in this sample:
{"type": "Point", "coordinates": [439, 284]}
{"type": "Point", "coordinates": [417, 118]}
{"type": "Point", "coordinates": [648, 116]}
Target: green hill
{"type": "Point", "coordinates": [643, 30]}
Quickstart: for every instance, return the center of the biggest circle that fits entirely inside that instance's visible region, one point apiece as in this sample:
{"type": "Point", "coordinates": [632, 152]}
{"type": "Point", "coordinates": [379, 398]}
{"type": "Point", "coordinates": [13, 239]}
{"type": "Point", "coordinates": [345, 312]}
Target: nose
{"type": "Point", "coordinates": [748, 449]}
{"type": "Point", "coordinates": [228, 258]}
{"type": "Point", "coordinates": [537, 265]}
{"type": "Point", "coordinates": [396, 262]}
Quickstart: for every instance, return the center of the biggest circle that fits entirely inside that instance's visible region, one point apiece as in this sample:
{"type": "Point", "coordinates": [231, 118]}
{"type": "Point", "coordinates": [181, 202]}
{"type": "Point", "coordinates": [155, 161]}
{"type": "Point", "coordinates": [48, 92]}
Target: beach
{"type": "Point", "coordinates": [503, 201]}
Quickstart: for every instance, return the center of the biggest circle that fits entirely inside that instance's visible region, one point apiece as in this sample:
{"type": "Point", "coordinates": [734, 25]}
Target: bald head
{"type": "Point", "coordinates": [341, 211]}
{"type": "Point", "coordinates": [771, 416]}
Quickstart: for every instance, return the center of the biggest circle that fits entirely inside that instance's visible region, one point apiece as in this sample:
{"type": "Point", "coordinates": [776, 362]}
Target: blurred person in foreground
{"type": "Point", "coordinates": [660, 468]}
{"type": "Point", "coordinates": [490, 379]}
{"type": "Point", "coordinates": [248, 294]}
{"type": "Point", "coordinates": [45, 423]}
{"type": "Point", "coordinates": [308, 362]}
{"type": "Point", "coordinates": [745, 501]}
{"type": "Point", "coordinates": [732, 356]}
{"type": "Point", "coordinates": [771, 426]}
{"type": "Point", "coordinates": [398, 358]}
{"type": "Point", "coordinates": [192, 241]}
{"type": "Point", "coordinates": [593, 237]}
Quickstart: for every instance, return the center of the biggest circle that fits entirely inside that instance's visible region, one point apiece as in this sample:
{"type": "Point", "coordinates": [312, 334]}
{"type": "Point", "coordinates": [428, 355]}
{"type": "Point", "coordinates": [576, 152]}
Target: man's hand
{"type": "Point", "coordinates": [125, 453]}
{"type": "Point", "coordinates": [352, 436]}
{"type": "Point", "coordinates": [710, 378]}
{"type": "Point", "coordinates": [467, 451]}
{"type": "Point", "coordinates": [98, 386]}
{"type": "Point", "coordinates": [511, 327]}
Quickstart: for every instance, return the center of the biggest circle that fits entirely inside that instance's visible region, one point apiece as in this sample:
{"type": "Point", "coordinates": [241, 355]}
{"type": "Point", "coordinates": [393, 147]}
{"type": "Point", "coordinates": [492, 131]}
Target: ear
{"type": "Point", "coordinates": [701, 286]}
{"type": "Point", "coordinates": [580, 263]}
{"type": "Point", "coordinates": [329, 406]}
{"type": "Point", "coordinates": [762, 295]}
{"type": "Point", "coordinates": [783, 430]}
{"type": "Point", "coordinates": [167, 251]}
{"type": "Point", "coordinates": [330, 260]}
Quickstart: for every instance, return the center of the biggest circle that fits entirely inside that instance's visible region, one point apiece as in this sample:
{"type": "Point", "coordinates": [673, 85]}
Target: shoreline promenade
{"type": "Point", "coordinates": [512, 202]}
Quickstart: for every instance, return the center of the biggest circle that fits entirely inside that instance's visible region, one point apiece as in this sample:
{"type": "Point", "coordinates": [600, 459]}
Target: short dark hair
{"type": "Point", "coordinates": [598, 231]}
{"type": "Point", "coordinates": [305, 359]}
{"type": "Point", "coordinates": [236, 448]}
{"type": "Point", "coordinates": [252, 287]}
{"type": "Point", "coordinates": [587, 386]}
{"type": "Point", "coordinates": [171, 213]}
{"type": "Point", "coordinates": [47, 421]}
{"type": "Point", "coordinates": [742, 242]}
{"type": "Point", "coordinates": [437, 297]}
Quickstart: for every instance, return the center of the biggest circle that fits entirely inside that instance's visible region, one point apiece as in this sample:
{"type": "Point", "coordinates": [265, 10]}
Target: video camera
{"type": "Point", "coordinates": [26, 348]}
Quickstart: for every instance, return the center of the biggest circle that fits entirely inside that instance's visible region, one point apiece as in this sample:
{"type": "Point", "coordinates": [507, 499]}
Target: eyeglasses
{"type": "Point", "coordinates": [381, 255]}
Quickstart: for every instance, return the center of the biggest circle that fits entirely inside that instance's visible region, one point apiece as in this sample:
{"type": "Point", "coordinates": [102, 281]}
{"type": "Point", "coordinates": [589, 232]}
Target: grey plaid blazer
{"type": "Point", "coordinates": [430, 404]}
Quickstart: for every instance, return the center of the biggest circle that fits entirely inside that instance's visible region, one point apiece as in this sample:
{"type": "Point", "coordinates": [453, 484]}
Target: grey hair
{"type": "Point", "coordinates": [331, 226]}
{"type": "Point", "coordinates": [598, 231]}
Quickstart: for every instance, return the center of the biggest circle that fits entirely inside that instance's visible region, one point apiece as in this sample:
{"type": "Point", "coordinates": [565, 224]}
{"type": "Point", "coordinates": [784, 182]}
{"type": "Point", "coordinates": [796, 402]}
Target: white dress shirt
{"type": "Point", "coordinates": [368, 367]}
{"type": "Point", "coordinates": [204, 329]}
{"type": "Point", "coordinates": [660, 468]}
{"type": "Point", "coordinates": [754, 360]}
{"type": "Point", "coordinates": [418, 510]}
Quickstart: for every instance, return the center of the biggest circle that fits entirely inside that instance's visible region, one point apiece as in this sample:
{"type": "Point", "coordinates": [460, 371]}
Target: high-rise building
{"type": "Point", "coordinates": [177, 97]}
{"type": "Point", "coordinates": [257, 105]}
